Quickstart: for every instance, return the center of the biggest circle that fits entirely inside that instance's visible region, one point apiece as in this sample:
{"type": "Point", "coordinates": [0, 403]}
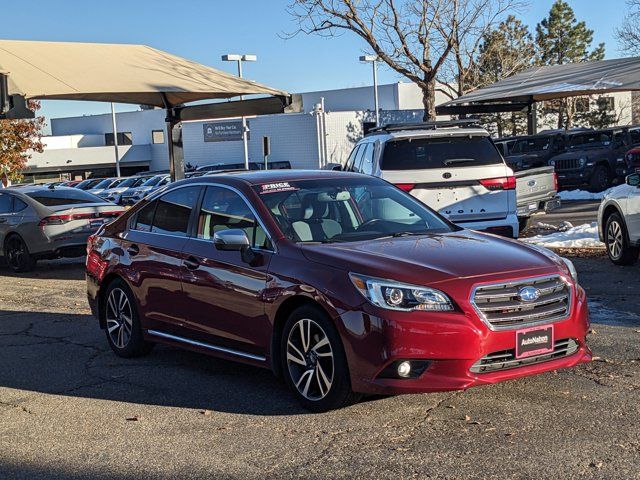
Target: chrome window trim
{"type": "Point", "coordinates": [154, 196]}
{"type": "Point", "coordinates": [546, 321]}
{"type": "Point", "coordinates": [215, 348]}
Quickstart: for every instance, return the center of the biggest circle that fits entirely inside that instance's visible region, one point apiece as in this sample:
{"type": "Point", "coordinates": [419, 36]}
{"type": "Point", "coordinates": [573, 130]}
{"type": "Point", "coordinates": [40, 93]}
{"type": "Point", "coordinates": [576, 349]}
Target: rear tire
{"type": "Point", "coordinates": [123, 328]}
{"type": "Point", "coordinates": [314, 364]}
{"type": "Point", "coordinates": [600, 179]}
{"type": "Point", "coordinates": [17, 255]}
{"type": "Point", "coordinates": [617, 241]}
{"type": "Point", "coordinates": [523, 223]}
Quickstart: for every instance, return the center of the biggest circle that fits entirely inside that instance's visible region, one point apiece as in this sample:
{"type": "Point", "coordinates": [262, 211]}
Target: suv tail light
{"type": "Point", "coordinates": [500, 183]}
{"type": "Point", "coordinates": [555, 181]}
{"type": "Point", "coordinates": [407, 187]}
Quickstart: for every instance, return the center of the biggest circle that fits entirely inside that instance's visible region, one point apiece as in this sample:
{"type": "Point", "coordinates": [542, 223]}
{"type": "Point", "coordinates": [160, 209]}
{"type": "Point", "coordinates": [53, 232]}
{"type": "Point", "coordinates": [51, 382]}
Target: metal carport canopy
{"type": "Point", "coordinates": [135, 74]}
{"type": "Point", "coordinates": [549, 83]}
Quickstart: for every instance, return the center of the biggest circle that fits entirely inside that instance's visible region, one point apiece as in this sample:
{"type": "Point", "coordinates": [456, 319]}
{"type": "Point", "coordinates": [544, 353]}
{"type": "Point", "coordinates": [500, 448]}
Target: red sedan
{"type": "Point", "coordinates": [340, 283]}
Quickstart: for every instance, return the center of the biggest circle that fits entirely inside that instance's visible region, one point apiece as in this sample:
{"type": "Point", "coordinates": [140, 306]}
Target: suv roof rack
{"type": "Point", "coordinates": [433, 125]}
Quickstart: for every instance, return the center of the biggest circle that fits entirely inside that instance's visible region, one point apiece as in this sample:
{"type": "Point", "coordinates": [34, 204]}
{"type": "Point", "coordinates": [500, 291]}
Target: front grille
{"type": "Point", "coordinates": [568, 164]}
{"type": "Point", "coordinates": [506, 359]}
{"type": "Point", "coordinates": [500, 305]}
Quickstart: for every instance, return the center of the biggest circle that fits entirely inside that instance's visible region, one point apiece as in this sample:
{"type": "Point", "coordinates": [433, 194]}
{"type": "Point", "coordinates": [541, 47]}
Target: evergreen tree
{"type": "Point", "coordinates": [504, 51]}
{"type": "Point", "coordinates": [561, 39]}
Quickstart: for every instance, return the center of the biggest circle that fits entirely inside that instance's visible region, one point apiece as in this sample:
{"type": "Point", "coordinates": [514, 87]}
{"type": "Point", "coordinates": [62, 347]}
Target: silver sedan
{"type": "Point", "coordinates": [48, 222]}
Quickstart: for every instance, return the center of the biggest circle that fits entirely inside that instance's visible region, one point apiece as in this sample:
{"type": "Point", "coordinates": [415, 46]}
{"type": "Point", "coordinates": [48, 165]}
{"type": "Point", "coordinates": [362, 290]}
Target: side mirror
{"type": "Point", "coordinates": [633, 179]}
{"type": "Point", "coordinates": [236, 240]}
{"type": "Point", "coordinates": [231, 240]}
{"type": "Point", "coordinates": [333, 166]}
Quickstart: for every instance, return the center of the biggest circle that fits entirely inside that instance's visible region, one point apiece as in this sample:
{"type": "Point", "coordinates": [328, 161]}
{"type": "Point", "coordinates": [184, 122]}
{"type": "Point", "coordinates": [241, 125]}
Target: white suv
{"type": "Point", "coordinates": [619, 221]}
{"type": "Point", "coordinates": [453, 167]}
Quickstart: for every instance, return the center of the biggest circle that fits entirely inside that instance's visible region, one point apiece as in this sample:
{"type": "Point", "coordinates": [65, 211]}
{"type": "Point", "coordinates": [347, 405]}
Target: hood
{"type": "Point", "coordinates": [524, 160]}
{"type": "Point", "coordinates": [582, 153]}
{"type": "Point", "coordinates": [435, 258]}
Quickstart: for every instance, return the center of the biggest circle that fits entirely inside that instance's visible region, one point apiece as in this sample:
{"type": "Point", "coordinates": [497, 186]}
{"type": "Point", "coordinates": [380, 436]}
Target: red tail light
{"type": "Point", "coordinates": [407, 187]}
{"type": "Point", "coordinates": [96, 265]}
{"type": "Point", "coordinates": [555, 181]}
{"type": "Point", "coordinates": [62, 219]}
{"type": "Point", "coordinates": [500, 183]}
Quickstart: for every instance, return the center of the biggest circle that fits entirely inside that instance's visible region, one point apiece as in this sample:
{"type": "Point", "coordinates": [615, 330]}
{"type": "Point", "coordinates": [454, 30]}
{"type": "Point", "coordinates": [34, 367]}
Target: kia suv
{"type": "Point", "coordinates": [619, 221]}
{"type": "Point", "coordinates": [453, 167]}
{"type": "Point", "coordinates": [341, 283]}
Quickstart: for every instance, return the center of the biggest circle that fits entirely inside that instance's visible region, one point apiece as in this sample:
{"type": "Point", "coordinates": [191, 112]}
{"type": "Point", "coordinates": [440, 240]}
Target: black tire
{"type": "Point", "coordinates": [124, 337]}
{"type": "Point", "coordinates": [523, 223]}
{"type": "Point", "coordinates": [334, 368]}
{"type": "Point", "coordinates": [17, 254]}
{"type": "Point", "coordinates": [616, 239]}
{"type": "Point", "coordinates": [600, 179]}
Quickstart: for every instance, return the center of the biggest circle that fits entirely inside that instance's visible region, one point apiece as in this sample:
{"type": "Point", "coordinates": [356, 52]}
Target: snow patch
{"type": "Point", "coordinates": [568, 195]}
{"type": "Point", "coordinates": [582, 236]}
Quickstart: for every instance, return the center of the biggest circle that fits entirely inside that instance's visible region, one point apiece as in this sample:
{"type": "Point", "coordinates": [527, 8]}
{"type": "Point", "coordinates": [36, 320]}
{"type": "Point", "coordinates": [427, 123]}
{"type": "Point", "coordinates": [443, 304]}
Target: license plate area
{"type": "Point", "coordinates": [534, 341]}
{"type": "Point", "coordinates": [96, 223]}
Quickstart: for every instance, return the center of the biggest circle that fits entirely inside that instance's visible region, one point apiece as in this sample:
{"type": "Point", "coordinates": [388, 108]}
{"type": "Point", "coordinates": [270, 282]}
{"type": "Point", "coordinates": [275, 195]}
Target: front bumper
{"type": "Point", "coordinates": [451, 342]}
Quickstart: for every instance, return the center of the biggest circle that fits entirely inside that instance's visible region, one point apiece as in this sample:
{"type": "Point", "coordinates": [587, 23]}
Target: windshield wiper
{"type": "Point", "coordinates": [451, 161]}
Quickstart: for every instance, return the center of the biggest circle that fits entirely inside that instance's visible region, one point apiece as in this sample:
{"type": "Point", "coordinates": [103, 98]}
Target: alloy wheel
{"type": "Point", "coordinates": [614, 239]}
{"type": "Point", "coordinates": [15, 252]}
{"type": "Point", "coordinates": [310, 359]}
{"type": "Point", "coordinates": [119, 318]}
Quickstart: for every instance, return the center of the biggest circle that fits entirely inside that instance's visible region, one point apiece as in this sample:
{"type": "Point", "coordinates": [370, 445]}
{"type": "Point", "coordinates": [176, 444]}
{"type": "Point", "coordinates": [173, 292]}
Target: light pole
{"type": "Point", "coordinates": [115, 138]}
{"type": "Point", "coordinates": [374, 61]}
{"type": "Point", "coordinates": [242, 58]}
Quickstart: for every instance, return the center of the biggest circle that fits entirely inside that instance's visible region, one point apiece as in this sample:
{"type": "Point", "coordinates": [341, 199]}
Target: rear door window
{"type": "Point", "coordinates": [366, 166]}
{"type": "Point", "coordinates": [173, 211]}
{"type": "Point", "coordinates": [5, 203]}
{"type": "Point", "coordinates": [18, 205]}
{"type": "Point", "coordinates": [428, 153]}
{"type": "Point", "coordinates": [352, 158]}
{"type": "Point", "coordinates": [144, 218]}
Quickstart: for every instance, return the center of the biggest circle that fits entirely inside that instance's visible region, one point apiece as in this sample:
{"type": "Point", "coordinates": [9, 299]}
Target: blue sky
{"type": "Point", "coordinates": [207, 29]}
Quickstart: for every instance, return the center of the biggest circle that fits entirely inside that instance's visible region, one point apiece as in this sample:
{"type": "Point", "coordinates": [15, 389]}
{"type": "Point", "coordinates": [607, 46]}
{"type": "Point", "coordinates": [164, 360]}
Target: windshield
{"type": "Point", "coordinates": [347, 210]}
{"type": "Point", "coordinates": [153, 181]}
{"type": "Point", "coordinates": [104, 183]}
{"type": "Point", "coordinates": [590, 140]}
{"type": "Point", "coordinates": [63, 196]}
{"type": "Point", "coordinates": [425, 153]}
{"type": "Point", "coordinates": [530, 145]}
{"type": "Point", "coordinates": [89, 183]}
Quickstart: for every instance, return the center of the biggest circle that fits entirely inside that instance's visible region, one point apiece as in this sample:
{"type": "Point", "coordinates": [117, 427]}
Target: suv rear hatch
{"type": "Point", "coordinates": [462, 176]}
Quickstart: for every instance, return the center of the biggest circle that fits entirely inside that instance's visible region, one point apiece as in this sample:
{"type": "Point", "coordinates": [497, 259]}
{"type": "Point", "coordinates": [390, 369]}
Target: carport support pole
{"type": "Point", "coordinates": [115, 138]}
{"type": "Point", "coordinates": [532, 119]}
{"type": "Point", "coordinates": [174, 143]}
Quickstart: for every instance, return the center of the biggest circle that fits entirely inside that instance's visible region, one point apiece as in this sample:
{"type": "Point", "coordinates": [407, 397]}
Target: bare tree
{"type": "Point", "coordinates": [413, 37]}
{"type": "Point", "coordinates": [628, 34]}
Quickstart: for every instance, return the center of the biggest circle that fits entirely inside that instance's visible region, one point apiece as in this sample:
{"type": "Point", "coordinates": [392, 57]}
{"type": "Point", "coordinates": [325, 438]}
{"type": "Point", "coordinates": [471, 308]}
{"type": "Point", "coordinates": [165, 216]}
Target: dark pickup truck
{"type": "Point", "coordinates": [596, 158]}
{"type": "Point", "coordinates": [534, 151]}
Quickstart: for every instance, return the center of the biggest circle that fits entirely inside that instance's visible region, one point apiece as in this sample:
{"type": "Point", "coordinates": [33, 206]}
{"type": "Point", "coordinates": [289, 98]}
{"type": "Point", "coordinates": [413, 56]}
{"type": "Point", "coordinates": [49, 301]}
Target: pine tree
{"type": "Point", "coordinates": [504, 51]}
{"type": "Point", "coordinates": [561, 39]}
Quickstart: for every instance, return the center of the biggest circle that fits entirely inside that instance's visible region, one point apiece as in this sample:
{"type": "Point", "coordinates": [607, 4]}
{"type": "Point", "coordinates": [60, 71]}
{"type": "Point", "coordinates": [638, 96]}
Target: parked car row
{"type": "Point", "coordinates": [595, 159]}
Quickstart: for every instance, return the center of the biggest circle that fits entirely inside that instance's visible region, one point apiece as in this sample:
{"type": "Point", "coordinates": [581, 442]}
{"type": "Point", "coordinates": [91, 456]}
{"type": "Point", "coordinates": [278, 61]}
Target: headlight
{"type": "Point", "coordinates": [400, 296]}
{"type": "Point", "coordinates": [572, 269]}
{"type": "Point", "coordinates": [582, 161]}
{"type": "Point", "coordinates": [552, 163]}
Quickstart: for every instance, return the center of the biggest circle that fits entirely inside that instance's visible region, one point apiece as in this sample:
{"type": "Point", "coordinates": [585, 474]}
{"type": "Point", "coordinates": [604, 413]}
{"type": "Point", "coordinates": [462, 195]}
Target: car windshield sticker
{"type": "Point", "coordinates": [277, 187]}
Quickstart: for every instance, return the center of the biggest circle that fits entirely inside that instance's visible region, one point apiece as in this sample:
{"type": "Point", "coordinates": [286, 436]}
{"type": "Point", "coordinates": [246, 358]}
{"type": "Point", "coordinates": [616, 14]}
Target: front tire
{"type": "Point", "coordinates": [123, 329]}
{"type": "Point", "coordinates": [313, 361]}
{"type": "Point", "coordinates": [617, 242]}
{"type": "Point", "coordinates": [600, 179]}
{"type": "Point", "coordinates": [17, 255]}
{"type": "Point", "coordinates": [523, 223]}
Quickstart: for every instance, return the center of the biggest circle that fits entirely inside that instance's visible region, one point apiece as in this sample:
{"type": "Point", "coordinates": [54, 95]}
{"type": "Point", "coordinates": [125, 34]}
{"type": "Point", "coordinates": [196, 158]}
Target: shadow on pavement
{"type": "Point", "coordinates": [63, 269]}
{"type": "Point", "coordinates": [67, 354]}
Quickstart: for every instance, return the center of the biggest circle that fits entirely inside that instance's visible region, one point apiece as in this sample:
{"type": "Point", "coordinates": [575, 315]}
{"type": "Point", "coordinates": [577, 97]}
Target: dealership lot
{"type": "Point", "coordinates": [70, 408]}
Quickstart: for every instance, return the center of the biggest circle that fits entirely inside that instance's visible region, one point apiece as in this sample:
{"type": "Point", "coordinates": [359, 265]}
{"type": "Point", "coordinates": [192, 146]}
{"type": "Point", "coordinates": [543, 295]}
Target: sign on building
{"type": "Point", "coordinates": [222, 131]}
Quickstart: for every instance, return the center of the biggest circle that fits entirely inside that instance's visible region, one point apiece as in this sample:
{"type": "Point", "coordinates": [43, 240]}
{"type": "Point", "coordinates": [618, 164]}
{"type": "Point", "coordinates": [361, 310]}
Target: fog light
{"type": "Point", "coordinates": [404, 369]}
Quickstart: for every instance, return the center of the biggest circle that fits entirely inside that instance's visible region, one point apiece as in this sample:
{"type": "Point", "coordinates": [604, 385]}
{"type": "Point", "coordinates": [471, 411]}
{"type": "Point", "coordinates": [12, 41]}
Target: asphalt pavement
{"type": "Point", "coordinates": [576, 212]}
{"type": "Point", "coordinates": [71, 409]}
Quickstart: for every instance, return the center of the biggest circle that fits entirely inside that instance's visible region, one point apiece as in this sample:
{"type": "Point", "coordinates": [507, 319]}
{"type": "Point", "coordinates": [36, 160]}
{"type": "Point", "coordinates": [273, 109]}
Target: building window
{"type": "Point", "coordinates": [124, 138]}
{"type": "Point", "coordinates": [582, 104]}
{"type": "Point", "coordinates": [608, 103]}
{"type": "Point", "coordinates": [157, 136]}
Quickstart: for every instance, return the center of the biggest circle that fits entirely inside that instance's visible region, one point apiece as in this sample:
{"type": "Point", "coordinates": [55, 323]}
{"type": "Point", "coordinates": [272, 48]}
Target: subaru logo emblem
{"type": "Point", "coordinates": [528, 294]}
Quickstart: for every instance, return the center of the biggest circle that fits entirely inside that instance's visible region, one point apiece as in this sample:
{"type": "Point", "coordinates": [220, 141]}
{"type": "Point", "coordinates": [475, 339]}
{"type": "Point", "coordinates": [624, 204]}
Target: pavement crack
{"type": "Point", "coordinates": [18, 406]}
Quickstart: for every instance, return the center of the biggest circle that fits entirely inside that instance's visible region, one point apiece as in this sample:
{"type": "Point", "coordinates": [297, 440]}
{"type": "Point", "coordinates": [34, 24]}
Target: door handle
{"type": "Point", "coordinates": [191, 263]}
{"type": "Point", "coordinates": [133, 250]}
